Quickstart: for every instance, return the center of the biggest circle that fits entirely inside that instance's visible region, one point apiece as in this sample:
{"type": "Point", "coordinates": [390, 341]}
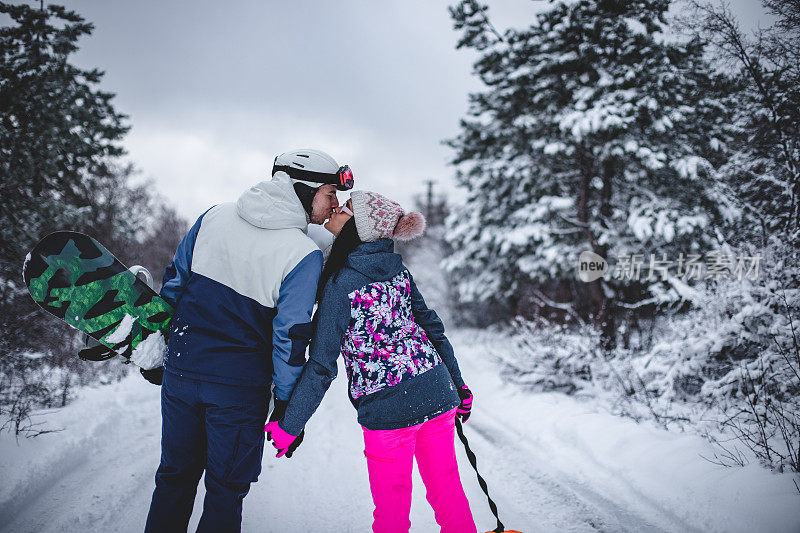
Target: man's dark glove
{"type": "Point", "coordinates": [154, 376]}
{"type": "Point", "coordinates": [99, 352]}
{"type": "Point", "coordinates": [278, 410]}
{"type": "Point", "coordinates": [296, 443]}
{"type": "Point", "coordinates": [465, 408]}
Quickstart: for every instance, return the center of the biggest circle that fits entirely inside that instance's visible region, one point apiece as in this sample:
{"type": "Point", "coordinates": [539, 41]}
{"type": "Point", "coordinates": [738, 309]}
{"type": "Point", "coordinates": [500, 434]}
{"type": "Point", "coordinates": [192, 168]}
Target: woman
{"type": "Point", "coordinates": [403, 376]}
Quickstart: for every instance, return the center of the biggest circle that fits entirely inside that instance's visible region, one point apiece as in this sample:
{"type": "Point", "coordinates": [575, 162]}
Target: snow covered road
{"type": "Point", "coordinates": [552, 463]}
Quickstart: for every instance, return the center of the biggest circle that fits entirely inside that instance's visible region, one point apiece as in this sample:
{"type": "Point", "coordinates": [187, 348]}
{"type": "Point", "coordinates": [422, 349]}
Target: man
{"type": "Point", "coordinates": [242, 282]}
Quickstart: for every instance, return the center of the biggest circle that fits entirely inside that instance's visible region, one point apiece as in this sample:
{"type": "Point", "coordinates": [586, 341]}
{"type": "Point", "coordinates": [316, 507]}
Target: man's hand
{"type": "Point", "coordinates": [293, 446]}
{"type": "Point", "coordinates": [99, 352]}
{"type": "Point", "coordinates": [154, 376]}
{"type": "Point", "coordinates": [278, 410]}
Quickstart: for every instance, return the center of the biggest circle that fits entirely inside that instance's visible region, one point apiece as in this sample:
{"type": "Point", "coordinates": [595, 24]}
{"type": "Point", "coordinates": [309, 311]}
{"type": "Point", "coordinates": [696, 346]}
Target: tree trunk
{"type": "Point", "coordinates": [599, 307]}
{"type": "Point", "coordinates": [606, 318]}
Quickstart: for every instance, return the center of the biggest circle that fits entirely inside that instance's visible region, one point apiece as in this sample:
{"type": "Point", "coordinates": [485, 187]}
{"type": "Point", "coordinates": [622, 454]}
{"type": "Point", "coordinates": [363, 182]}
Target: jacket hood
{"type": "Point", "coordinates": [273, 205]}
{"type": "Point", "coordinates": [376, 260]}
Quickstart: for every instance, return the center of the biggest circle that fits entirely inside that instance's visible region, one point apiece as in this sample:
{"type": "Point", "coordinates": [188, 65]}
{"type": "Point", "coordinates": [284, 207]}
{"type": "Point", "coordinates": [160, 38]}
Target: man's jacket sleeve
{"type": "Point", "coordinates": [177, 273]}
{"type": "Point", "coordinates": [291, 327]}
{"type": "Point", "coordinates": [432, 324]}
{"type": "Point", "coordinates": [331, 322]}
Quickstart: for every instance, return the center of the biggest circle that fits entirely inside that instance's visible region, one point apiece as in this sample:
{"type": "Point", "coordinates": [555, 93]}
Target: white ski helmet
{"type": "Point", "coordinates": [313, 168]}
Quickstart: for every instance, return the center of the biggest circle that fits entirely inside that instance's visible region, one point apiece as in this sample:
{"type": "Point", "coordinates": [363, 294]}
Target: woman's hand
{"type": "Point", "coordinates": [464, 409]}
{"type": "Point", "coordinates": [281, 440]}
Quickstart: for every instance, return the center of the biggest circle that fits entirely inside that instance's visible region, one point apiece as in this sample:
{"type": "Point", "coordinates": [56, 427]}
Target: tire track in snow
{"type": "Point", "coordinates": [100, 475]}
{"type": "Point", "coordinates": [582, 502]}
{"type": "Point", "coordinates": [513, 453]}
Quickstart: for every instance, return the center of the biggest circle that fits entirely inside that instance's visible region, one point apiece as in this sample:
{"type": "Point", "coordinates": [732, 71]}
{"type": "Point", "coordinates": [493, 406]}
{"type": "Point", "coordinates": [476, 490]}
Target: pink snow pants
{"type": "Point", "coordinates": [390, 454]}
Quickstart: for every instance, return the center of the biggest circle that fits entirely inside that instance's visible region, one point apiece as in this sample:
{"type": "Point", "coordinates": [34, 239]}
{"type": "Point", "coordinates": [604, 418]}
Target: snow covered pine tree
{"type": "Point", "coordinates": [592, 134]}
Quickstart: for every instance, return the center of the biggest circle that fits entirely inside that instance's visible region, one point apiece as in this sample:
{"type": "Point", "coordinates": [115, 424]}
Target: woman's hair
{"type": "Point", "coordinates": [345, 242]}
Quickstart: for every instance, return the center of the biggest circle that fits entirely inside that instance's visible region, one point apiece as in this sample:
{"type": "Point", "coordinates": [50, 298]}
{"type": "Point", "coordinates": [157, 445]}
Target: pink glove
{"type": "Point", "coordinates": [463, 410]}
{"type": "Point", "coordinates": [280, 439]}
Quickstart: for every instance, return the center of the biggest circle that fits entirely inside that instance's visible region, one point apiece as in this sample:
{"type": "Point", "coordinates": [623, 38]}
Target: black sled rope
{"type": "Point", "coordinates": [482, 482]}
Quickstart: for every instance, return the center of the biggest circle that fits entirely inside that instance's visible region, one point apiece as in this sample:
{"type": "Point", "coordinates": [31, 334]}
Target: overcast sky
{"type": "Point", "coordinates": [215, 90]}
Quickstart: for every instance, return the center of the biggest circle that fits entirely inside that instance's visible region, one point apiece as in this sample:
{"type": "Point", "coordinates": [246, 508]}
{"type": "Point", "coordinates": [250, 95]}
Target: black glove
{"type": "Point", "coordinates": [278, 410]}
{"type": "Point", "coordinates": [154, 376]}
{"type": "Point", "coordinates": [97, 353]}
{"type": "Point", "coordinates": [296, 443]}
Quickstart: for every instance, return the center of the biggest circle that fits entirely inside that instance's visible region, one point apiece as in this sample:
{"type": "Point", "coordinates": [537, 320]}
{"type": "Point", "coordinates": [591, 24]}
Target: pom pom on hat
{"type": "Point", "coordinates": [377, 217]}
{"type": "Point", "coordinates": [410, 226]}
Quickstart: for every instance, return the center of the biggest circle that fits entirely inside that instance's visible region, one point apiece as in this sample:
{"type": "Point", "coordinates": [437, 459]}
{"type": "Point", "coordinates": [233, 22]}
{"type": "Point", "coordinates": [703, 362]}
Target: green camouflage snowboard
{"type": "Point", "coordinates": [72, 276]}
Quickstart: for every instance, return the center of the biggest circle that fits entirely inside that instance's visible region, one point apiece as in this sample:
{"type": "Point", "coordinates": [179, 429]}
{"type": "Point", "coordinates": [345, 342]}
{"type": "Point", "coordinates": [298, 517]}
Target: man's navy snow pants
{"type": "Point", "coordinates": [213, 427]}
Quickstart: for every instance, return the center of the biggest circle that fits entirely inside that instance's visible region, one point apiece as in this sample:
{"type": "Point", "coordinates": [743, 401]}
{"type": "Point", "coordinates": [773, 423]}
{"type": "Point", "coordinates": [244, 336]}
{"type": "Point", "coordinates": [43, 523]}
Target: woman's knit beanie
{"type": "Point", "coordinates": [377, 217]}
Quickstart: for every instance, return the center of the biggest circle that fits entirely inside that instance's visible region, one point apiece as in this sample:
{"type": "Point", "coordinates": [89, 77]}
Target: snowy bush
{"type": "Point", "coordinates": [728, 367]}
{"type": "Point", "coordinates": [49, 378]}
{"type": "Point", "coordinates": [741, 353]}
{"type": "Point", "coordinates": [551, 357]}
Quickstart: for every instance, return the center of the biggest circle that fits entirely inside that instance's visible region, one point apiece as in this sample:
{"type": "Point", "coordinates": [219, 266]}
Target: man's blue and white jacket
{"type": "Point", "coordinates": [243, 282]}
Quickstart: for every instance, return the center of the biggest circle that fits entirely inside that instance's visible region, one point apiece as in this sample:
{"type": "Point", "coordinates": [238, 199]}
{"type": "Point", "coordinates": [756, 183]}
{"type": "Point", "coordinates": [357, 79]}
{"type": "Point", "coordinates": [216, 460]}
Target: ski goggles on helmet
{"type": "Point", "coordinates": [342, 179]}
{"type": "Point", "coordinates": [346, 180]}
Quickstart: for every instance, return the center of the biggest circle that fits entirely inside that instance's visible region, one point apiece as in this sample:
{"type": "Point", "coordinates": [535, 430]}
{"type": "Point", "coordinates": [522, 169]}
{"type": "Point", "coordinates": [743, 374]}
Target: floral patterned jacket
{"type": "Point", "coordinates": [400, 366]}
